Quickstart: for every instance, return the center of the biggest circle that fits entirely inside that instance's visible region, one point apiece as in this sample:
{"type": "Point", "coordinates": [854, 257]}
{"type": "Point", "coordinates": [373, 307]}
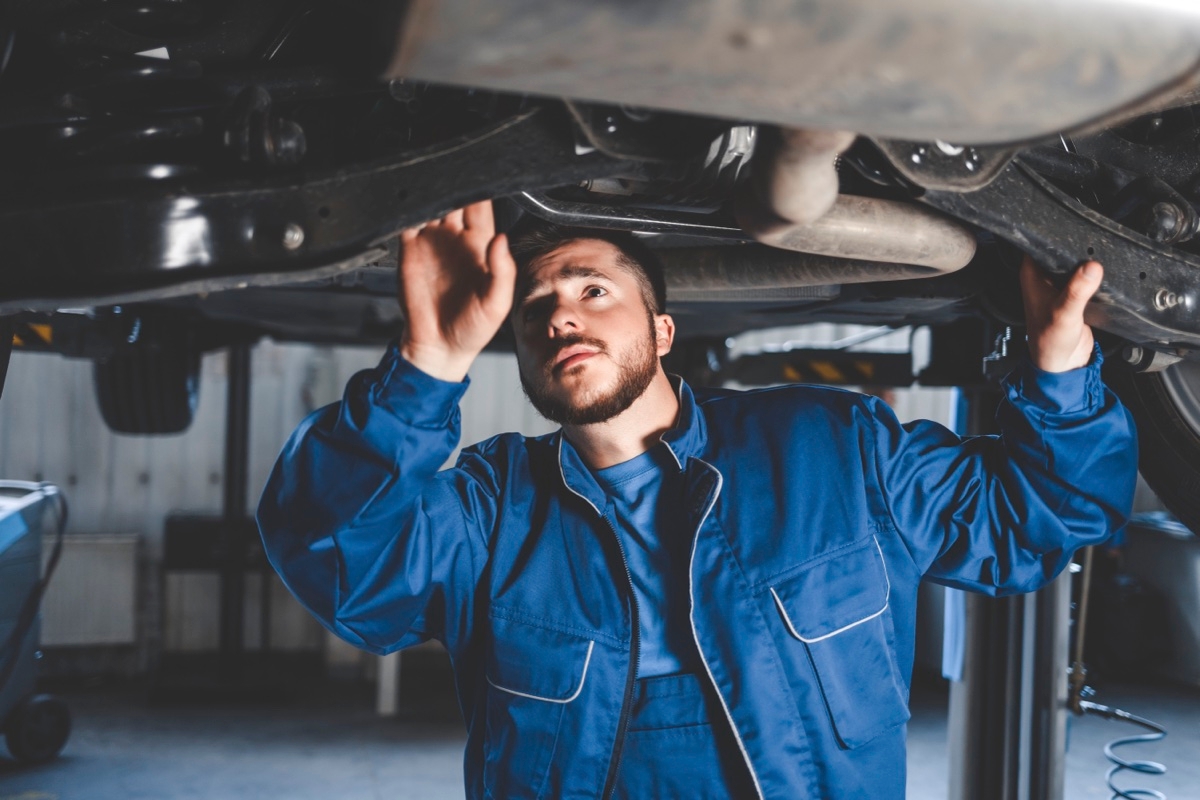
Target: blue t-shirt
{"type": "Point", "coordinates": [646, 503]}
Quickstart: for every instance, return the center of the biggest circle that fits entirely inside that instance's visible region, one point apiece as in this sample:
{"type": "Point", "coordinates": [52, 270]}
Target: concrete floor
{"type": "Point", "coordinates": [328, 745]}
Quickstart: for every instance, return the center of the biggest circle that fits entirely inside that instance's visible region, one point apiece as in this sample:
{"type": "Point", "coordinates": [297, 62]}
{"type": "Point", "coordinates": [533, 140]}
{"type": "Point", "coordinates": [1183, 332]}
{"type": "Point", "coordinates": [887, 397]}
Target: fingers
{"type": "Point", "coordinates": [478, 217]}
{"type": "Point", "coordinates": [453, 221]}
{"type": "Point", "coordinates": [1034, 281]}
{"type": "Point", "coordinates": [441, 242]}
{"type": "Point", "coordinates": [500, 261]}
{"type": "Point", "coordinates": [1058, 337]}
{"type": "Point", "coordinates": [504, 276]}
{"type": "Point", "coordinates": [1038, 294]}
{"type": "Point", "coordinates": [1038, 290]}
{"type": "Point", "coordinates": [1081, 288]}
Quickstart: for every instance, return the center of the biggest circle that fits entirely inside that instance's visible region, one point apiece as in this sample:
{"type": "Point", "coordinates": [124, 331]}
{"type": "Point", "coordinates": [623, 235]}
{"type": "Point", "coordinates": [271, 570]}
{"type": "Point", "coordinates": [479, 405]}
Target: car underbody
{"type": "Point", "coordinates": [181, 176]}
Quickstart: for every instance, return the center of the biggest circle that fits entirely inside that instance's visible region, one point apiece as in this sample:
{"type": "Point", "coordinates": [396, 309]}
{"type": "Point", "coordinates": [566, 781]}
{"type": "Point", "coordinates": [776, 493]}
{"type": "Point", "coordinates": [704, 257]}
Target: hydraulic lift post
{"type": "Point", "coordinates": [1007, 726]}
{"type": "Point", "coordinates": [233, 544]}
{"type": "Point", "coordinates": [227, 544]}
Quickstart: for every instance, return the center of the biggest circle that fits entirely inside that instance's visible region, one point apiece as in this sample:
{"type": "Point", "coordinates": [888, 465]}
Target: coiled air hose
{"type": "Point", "coordinates": [1119, 765]}
{"type": "Point", "coordinates": [1080, 706]}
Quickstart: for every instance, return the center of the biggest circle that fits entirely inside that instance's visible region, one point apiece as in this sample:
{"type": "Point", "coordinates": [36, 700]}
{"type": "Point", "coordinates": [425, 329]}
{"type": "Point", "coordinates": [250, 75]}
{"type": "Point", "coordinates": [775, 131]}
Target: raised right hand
{"type": "Point", "coordinates": [456, 280]}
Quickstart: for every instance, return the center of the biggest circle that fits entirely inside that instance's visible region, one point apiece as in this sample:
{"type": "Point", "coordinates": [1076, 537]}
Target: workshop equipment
{"type": "Point", "coordinates": [36, 726]}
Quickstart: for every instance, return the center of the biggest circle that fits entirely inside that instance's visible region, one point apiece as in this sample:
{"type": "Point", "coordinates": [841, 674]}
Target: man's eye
{"type": "Point", "coordinates": [535, 308]}
{"type": "Point", "coordinates": [595, 291]}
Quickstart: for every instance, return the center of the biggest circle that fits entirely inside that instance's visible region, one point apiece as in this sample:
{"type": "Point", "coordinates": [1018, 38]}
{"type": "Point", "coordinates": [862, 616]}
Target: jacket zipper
{"type": "Point", "coordinates": [635, 662]}
{"type": "Point", "coordinates": [696, 635]}
{"type": "Point", "coordinates": [635, 652]}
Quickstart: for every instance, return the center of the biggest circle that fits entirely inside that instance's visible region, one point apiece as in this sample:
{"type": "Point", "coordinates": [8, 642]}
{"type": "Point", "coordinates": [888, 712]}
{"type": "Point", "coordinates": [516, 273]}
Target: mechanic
{"type": "Point", "coordinates": [682, 592]}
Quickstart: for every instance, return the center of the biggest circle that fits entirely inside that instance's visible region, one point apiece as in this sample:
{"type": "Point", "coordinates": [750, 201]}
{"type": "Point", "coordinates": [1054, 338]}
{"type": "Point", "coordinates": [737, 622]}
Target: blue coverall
{"type": "Point", "coordinates": [814, 514]}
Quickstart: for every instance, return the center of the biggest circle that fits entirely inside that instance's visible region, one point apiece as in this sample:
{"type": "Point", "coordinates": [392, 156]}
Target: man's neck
{"type": "Point", "coordinates": [632, 432]}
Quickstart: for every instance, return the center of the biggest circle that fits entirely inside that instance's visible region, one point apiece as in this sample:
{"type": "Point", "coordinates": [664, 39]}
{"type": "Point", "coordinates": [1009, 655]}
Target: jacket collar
{"type": "Point", "coordinates": [684, 441]}
{"type": "Point", "coordinates": [687, 439]}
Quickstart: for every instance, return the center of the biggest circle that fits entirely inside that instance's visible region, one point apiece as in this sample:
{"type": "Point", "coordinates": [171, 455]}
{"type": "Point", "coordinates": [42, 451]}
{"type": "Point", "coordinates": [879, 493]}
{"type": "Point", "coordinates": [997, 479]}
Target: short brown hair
{"type": "Point", "coordinates": [529, 243]}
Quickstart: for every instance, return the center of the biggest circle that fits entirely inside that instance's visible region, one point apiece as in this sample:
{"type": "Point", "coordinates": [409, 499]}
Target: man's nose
{"type": "Point", "coordinates": [562, 319]}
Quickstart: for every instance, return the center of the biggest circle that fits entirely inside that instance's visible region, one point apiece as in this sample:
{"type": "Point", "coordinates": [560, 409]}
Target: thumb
{"type": "Point", "coordinates": [503, 269]}
{"type": "Point", "coordinates": [1080, 289]}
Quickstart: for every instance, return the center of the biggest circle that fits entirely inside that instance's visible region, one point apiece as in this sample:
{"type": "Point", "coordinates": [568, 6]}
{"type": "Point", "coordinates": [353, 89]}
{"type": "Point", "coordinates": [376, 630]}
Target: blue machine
{"type": "Point", "coordinates": [36, 726]}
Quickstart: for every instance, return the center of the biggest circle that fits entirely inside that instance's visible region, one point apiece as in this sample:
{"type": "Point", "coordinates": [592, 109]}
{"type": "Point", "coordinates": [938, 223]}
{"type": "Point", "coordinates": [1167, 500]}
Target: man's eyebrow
{"type": "Point", "coordinates": [567, 272]}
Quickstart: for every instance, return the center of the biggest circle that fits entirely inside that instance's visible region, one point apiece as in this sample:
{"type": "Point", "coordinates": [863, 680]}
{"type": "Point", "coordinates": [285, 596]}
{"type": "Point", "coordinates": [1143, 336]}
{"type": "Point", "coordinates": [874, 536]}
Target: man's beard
{"type": "Point", "coordinates": [633, 378]}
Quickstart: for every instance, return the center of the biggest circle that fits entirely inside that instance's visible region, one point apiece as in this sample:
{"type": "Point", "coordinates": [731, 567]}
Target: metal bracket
{"type": "Point", "coordinates": [642, 135]}
{"type": "Point", "coordinates": [946, 167]}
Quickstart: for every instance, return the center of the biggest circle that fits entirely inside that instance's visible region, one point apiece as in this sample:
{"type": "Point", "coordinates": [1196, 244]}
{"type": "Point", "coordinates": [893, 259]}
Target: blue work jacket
{"type": "Point", "coordinates": [813, 512]}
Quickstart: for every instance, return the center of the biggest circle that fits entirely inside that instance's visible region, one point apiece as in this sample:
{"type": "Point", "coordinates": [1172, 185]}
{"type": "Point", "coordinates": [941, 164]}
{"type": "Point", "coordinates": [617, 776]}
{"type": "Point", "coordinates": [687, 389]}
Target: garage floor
{"type": "Point", "coordinates": [328, 745]}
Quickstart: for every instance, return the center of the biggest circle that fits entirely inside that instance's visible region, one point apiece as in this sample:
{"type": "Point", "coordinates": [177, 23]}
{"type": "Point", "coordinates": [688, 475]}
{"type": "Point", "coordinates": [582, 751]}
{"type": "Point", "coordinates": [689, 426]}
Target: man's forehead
{"type": "Point", "coordinates": [579, 258]}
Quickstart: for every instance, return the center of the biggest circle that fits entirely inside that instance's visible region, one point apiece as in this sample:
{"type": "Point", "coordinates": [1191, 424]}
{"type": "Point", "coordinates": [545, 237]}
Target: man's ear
{"type": "Point", "coordinates": [664, 333]}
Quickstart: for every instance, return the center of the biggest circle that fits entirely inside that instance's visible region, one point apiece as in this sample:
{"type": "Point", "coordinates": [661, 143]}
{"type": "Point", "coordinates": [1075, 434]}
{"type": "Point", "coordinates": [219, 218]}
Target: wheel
{"type": "Point", "coordinates": [38, 728]}
{"type": "Point", "coordinates": [148, 391]}
{"type": "Point", "coordinates": [1166, 407]}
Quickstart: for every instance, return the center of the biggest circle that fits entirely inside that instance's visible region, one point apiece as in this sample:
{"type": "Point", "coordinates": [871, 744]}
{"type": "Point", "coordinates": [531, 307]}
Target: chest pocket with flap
{"type": "Point", "coordinates": [534, 675]}
{"type": "Point", "coordinates": [836, 610]}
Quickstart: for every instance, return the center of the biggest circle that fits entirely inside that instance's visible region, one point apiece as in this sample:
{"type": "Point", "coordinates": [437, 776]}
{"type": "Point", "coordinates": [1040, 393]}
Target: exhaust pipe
{"type": "Point", "coordinates": [791, 202]}
{"type": "Point", "coordinates": [754, 272]}
{"type": "Point", "coordinates": [800, 183]}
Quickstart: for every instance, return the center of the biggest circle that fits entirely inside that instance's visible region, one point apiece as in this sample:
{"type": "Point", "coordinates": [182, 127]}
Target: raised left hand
{"type": "Point", "coordinates": [1059, 339]}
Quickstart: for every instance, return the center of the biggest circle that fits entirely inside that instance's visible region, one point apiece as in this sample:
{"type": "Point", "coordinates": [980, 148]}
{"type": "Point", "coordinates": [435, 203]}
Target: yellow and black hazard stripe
{"type": "Point", "coordinates": [833, 367]}
{"type": "Point", "coordinates": [32, 335]}
{"type": "Point", "coordinates": [823, 370]}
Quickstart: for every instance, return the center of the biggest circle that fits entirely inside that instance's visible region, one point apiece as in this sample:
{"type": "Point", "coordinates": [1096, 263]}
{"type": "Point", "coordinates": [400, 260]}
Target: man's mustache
{"type": "Point", "coordinates": [571, 340]}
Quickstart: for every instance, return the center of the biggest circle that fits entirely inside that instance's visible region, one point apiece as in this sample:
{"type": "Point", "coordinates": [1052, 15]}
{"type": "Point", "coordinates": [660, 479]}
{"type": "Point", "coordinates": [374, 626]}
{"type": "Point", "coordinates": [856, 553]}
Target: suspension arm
{"type": "Point", "coordinates": [1151, 292]}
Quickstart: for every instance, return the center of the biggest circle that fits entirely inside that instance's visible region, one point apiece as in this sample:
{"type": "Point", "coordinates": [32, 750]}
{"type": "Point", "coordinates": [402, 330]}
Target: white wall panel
{"type": "Point", "coordinates": [192, 623]}
{"type": "Point", "coordinates": [50, 429]}
{"type": "Point", "coordinates": [92, 598]}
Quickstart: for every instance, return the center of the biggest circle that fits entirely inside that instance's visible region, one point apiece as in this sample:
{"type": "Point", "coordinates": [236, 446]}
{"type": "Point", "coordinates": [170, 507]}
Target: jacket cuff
{"type": "Point", "coordinates": [1071, 392]}
{"type": "Point", "coordinates": [416, 397]}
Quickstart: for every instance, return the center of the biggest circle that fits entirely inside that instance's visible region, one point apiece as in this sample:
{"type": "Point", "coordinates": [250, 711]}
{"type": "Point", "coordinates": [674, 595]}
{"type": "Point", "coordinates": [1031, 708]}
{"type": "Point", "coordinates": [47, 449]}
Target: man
{"type": "Point", "coordinates": [681, 593]}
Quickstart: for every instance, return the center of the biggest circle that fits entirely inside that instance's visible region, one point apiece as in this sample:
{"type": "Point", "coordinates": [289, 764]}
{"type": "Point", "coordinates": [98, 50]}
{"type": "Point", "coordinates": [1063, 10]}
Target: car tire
{"type": "Point", "coordinates": [38, 728]}
{"type": "Point", "coordinates": [153, 391]}
{"type": "Point", "coordinates": [1166, 407]}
